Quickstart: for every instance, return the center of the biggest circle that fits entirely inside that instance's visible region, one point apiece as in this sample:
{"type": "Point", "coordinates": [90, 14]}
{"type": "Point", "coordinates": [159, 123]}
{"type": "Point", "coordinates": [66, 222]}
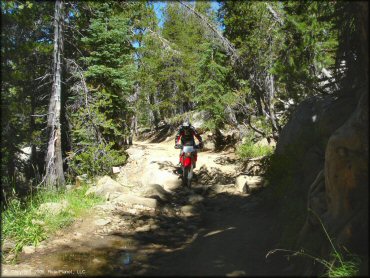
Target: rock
{"type": "Point", "coordinates": [145, 228]}
{"type": "Point", "coordinates": [168, 180]}
{"type": "Point", "coordinates": [53, 208]}
{"type": "Point", "coordinates": [209, 145]}
{"type": "Point", "coordinates": [224, 188]}
{"type": "Point", "coordinates": [187, 210]}
{"type": "Point", "coordinates": [195, 198]}
{"type": "Point", "coordinates": [327, 138]}
{"type": "Point", "coordinates": [102, 222]}
{"type": "Point", "coordinates": [116, 170]}
{"type": "Point", "coordinates": [154, 190]}
{"type": "Point", "coordinates": [9, 258]}
{"type": "Point", "coordinates": [240, 183]}
{"type": "Point", "coordinates": [96, 261]}
{"type": "Point", "coordinates": [8, 245]}
{"type": "Point", "coordinates": [249, 184]}
{"type": "Point", "coordinates": [346, 180]}
{"type": "Point", "coordinates": [128, 199]}
{"type": "Point", "coordinates": [28, 249]}
{"type": "Point", "coordinates": [106, 185]}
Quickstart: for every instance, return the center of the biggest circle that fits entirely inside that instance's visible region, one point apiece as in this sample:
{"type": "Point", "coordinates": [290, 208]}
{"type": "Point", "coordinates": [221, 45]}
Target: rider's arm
{"type": "Point", "coordinates": [197, 135]}
{"type": "Point", "coordinates": [178, 136]}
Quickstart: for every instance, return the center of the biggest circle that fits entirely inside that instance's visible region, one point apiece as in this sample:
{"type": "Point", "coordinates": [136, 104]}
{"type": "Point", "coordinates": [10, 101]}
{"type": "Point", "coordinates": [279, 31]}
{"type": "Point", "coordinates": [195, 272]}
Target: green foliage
{"type": "Point", "coordinates": [19, 217]}
{"type": "Point", "coordinates": [26, 55]}
{"type": "Point", "coordinates": [250, 150]}
{"type": "Point", "coordinates": [96, 160]}
{"type": "Point", "coordinates": [110, 67]}
{"type": "Point", "coordinates": [309, 46]}
{"type": "Point", "coordinates": [211, 92]}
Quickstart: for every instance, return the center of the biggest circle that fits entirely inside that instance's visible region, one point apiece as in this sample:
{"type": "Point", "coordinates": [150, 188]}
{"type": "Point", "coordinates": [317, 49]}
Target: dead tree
{"type": "Point", "coordinates": [54, 164]}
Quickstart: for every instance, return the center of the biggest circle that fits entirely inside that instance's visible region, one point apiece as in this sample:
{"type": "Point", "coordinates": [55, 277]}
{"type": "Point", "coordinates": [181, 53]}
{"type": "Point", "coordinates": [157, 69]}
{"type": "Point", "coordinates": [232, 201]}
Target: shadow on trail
{"type": "Point", "coordinates": [224, 235]}
{"type": "Point", "coordinates": [219, 234]}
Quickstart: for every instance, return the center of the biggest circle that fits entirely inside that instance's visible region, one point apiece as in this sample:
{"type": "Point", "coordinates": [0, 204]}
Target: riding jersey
{"type": "Point", "coordinates": [187, 137]}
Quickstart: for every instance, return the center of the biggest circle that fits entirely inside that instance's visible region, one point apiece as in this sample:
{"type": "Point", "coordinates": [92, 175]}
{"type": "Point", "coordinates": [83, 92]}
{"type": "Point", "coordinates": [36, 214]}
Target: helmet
{"type": "Point", "coordinates": [186, 124]}
{"type": "Point", "coordinates": [186, 127]}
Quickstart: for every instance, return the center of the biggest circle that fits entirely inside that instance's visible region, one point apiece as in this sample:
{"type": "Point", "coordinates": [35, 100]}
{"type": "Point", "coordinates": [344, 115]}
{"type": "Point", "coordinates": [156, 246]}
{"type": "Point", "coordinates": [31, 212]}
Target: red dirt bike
{"type": "Point", "coordinates": [187, 159]}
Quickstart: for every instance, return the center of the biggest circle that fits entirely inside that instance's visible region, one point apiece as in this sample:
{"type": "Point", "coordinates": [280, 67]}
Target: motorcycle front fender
{"type": "Point", "coordinates": [187, 162]}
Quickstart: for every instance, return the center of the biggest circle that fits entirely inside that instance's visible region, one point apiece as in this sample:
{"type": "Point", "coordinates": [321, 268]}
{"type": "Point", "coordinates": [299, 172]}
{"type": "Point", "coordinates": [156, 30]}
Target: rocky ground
{"type": "Point", "coordinates": [151, 225]}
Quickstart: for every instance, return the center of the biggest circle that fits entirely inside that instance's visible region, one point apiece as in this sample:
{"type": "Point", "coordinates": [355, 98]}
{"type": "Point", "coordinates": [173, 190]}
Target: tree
{"type": "Point", "coordinates": [54, 174]}
{"type": "Point", "coordinates": [99, 108]}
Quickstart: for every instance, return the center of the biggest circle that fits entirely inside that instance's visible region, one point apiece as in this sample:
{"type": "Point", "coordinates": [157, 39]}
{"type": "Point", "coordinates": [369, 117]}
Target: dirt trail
{"type": "Point", "coordinates": [195, 232]}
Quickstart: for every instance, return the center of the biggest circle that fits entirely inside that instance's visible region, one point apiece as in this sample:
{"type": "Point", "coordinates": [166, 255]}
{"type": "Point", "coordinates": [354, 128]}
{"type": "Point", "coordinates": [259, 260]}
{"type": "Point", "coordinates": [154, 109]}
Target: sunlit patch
{"type": "Point", "coordinates": [218, 231]}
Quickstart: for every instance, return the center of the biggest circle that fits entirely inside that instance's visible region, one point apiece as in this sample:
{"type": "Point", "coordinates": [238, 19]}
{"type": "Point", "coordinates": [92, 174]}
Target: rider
{"type": "Point", "coordinates": [186, 134]}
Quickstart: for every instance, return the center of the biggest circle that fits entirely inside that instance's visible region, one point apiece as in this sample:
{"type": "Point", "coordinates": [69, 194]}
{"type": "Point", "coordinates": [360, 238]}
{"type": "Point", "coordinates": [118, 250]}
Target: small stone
{"type": "Point", "coordinates": [8, 245]}
{"type": "Point", "coordinates": [145, 228]}
{"type": "Point", "coordinates": [187, 210]}
{"type": "Point", "coordinates": [116, 170]}
{"type": "Point", "coordinates": [96, 261]}
{"type": "Point", "coordinates": [193, 199]}
{"type": "Point", "coordinates": [28, 249]}
{"type": "Point", "coordinates": [102, 222]}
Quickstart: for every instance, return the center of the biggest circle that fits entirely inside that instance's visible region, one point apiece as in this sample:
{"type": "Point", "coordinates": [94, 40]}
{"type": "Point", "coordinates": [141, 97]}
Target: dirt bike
{"type": "Point", "coordinates": [187, 161]}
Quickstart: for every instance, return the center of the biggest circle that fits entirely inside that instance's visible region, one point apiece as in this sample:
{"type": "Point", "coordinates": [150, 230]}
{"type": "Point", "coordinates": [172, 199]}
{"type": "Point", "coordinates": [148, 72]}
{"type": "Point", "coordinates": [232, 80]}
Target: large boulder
{"type": "Point", "coordinates": [304, 138]}
{"type": "Point", "coordinates": [346, 180]}
{"type": "Point", "coordinates": [314, 119]}
{"type": "Point", "coordinates": [168, 180]}
{"type": "Point", "coordinates": [338, 196]}
{"type": "Point", "coordinates": [106, 186]}
{"type": "Point", "coordinates": [130, 200]}
{"type": "Point", "coordinates": [154, 191]}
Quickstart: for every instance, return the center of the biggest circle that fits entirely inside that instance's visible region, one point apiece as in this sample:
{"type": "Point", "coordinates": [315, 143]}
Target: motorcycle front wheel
{"type": "Point", "coordinates": [187, 176]}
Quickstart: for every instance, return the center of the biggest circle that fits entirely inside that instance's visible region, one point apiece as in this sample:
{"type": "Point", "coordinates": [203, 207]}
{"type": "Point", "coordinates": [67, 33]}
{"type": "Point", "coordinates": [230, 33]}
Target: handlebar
{"type": "Point", "coordinates": [177, 146]}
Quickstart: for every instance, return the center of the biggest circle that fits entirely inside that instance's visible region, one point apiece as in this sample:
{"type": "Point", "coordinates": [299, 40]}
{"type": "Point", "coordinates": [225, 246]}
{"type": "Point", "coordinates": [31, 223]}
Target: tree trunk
{"type": "Point", "coordinates": [54, 164]}
{"type": "Point", "coordinates": [275, 126]}
{"type": "Point", "coordinates": [156, 116]}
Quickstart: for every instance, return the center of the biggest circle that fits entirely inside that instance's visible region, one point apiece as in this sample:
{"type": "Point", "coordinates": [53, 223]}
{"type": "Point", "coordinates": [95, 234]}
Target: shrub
{"type": "Point", "coordinates": [251, 150]}
{"type": "Point", "coordinates": [96, 160]}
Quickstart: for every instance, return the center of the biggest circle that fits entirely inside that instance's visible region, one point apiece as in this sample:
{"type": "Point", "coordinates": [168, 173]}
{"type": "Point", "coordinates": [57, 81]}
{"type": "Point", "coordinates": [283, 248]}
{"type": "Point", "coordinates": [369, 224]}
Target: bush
{"type": "Point", "coordinates": [96, 160]}
{"type": "Point", "coordinates": [251, 150]}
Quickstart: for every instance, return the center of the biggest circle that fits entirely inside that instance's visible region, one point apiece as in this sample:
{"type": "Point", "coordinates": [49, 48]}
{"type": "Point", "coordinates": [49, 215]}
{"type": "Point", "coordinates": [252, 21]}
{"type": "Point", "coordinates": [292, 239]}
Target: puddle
{"type": "Point", "coordinates": [112, 256]}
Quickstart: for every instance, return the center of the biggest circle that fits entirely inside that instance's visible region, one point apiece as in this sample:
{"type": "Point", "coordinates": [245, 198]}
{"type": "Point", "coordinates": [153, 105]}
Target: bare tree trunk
{"type": "Point", "coordinates": [54, 164]}
{"type": "Point", "coordinates": [275, 126]}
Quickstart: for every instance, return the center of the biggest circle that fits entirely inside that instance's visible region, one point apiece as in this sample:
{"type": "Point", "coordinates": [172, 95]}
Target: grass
{"type": "Point", "coordinates": [251, 150]}
{"type": "Point", "coordinates": [338, 265]}
{"type": "Point", "coordinates": [23, 224]}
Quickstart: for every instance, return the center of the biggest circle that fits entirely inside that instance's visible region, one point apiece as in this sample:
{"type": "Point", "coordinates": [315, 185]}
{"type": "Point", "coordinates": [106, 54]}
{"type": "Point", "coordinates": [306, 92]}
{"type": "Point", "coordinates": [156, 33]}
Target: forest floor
{"type": "Point", "coordinates": [197, 232]}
